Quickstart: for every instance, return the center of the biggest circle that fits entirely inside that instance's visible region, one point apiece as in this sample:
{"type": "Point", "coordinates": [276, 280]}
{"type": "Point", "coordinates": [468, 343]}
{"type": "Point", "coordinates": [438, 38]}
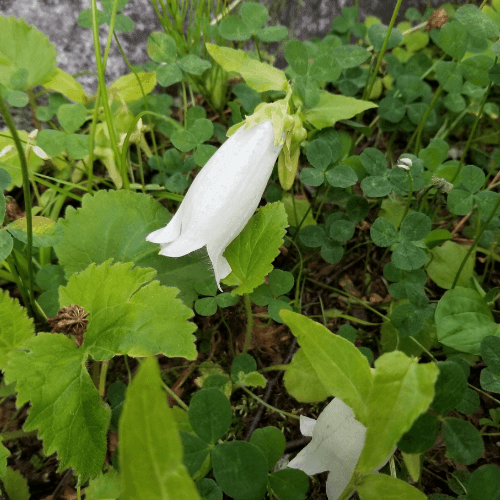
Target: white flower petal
{"type": "Point", "coordinates": [307, 425]}
{"type": "Point", "coordinates": [222, 198]}
{"type": "Point", "coordinates": [337, 441]}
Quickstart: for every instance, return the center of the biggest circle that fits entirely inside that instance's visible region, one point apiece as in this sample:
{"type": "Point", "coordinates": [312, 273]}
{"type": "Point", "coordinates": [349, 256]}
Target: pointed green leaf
{"type": "Point", "coordinates": [342, 369]}
{"type": "Point", "coordinates": [6, 244]}
{"type": "Point", "coordinates": [127, 318]}
{"type": "Point", "coordinates": [150, 447]}
{"type": "Point", "coordinates": [15, 326]}
{"type": "Point", "coordinates": [46, 233]}
{"type": "Point", "coordinates": [4, 453]}
{"type": "Point", "coordinates": [105, 487]}
{"type": "Point", "coordinates": [65, 405]}
{"type": "Point", "coordinates": [402, 390]}
{"type": "Point", "coordinates": [259, 76]}
{"type": "Point", "coordinates": [16, 485]}
{"type": "Point", "coordinates": [252, 252]}
{"type": "Point", "coordinates": [333, 107]}
{"type": "Point", "coordinates": [378, 486]}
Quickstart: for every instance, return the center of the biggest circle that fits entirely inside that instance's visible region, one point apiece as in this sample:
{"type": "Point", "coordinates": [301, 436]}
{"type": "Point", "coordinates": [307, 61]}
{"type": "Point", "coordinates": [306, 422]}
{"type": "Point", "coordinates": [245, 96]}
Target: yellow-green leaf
{"type": "Point", "coordinates": [402, 390]}
{"type": "Point", "coordinates": [127, 86]}
{"type": "Point", "coordinates": [340, 366]}
{"type": "Point", "coordinates": [68, 86]}
{"type": "Point", "coordinates": [333, 107]}
{"type": "Point", "coordinates": [259, 76]}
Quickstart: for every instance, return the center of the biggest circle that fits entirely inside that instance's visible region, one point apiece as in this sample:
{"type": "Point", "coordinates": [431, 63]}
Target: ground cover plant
{"type": "Point", "coordinates": [195, 259]}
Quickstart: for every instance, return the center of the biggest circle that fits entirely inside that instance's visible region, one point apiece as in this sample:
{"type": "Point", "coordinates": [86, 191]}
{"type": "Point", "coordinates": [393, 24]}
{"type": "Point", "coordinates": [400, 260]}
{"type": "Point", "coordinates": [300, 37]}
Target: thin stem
{"type": "Point", "coordinates": [408, 199]}
{"type": "Point", "coordinates": [484, 393]}
{"type": "Point", "coordinates": [475, 242]}
{"type": "Point", "coordinates": [268, 406]}
{"type": "Point", "coordinates": [104, 96]}
{"type": "Point", "coordinates": [27, 197]}
{"type": "Point", "coordinates": [421, 125]}
{"type": "Point", "coordinates": [248, 309]}
{"type": "Point", "coordinates": [7, 436]}
{"type": "Point", "coordinates": [174, 396]}
{"type": "Point", "coordinates": [102, 378]}
{"type": "Point", "coordinates": [256, 41]}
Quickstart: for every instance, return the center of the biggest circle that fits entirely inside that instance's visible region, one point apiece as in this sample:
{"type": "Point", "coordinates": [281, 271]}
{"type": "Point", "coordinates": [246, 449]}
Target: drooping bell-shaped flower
{"type": "Point", "coordinates": [336, 445]}
{"type": "Point", "coordinates": [222, 197]}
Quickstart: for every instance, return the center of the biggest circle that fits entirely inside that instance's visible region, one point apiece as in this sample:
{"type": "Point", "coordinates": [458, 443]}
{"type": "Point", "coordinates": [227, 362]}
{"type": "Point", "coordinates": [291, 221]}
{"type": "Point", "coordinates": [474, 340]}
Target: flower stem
{"type": "Point", "coordinates": [248, 309]}
{"type": "Point", "coordinates": [27, 197]}
{"type": "Point", "coordinates": [102, 378]}
{"type": "Point", "coordinates": [408, 200]}
{"type": "Point", "coordinates": [267, 405]}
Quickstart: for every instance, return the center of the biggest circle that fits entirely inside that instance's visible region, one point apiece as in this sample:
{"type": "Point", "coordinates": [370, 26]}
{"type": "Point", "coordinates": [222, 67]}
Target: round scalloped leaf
{"type": "Point", "coordinates": [23, 46]}
{"type": "Point", "coordinates": [129, 314]}
{"type": "Point", "coordinates": [15, 326]}
{"type": "Point", "coordinates": [114, 224]}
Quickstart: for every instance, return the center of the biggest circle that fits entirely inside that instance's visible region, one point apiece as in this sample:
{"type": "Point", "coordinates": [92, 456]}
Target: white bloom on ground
{"type": "Point", "coordinates": [336, 445]}
{"type": "Point", "coordinates": [222, 198]}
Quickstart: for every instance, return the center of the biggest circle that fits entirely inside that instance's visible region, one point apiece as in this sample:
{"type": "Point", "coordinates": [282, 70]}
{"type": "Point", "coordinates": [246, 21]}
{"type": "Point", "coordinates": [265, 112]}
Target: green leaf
{"type": "Point", "coordinates": [484, 483]}
{"type": "Point", "coordinates": [384, 233]}
{"type": "Point", "coordinates": [209, 489]}
{"type": "Point", "coordinates": [289, 484]}
{"type": "Point", "coordinates": [5, 179]}
{"type": "Point", "coordinates": [460, 201]}
{"type": "Point", "coordinates": [4, 454]}
{"type": "Point", "coordinates": [450, 388]}
{"type": "Point", "coordinates": [234, 28]}
{"type": "Point", "coordinates": [402, 390]}
{"type": "Point", "coordinates": [415, 226]}
{"type": "Point", "coordinates": [408, 319]}
{"type": "Point", "coordinates": [53, 142]}
{"type": "Point", "coordinates": [242, 362]}
{"type": "Point", "coordinates": [271, 442]}
{"type": "Point", "coordinates": [296, 56]}
{"type": "Point", "coordinates": [202, 129]}
{"type": "Point", "coordinates": [85, 18]}
{"type": "Point", "coordinates": [240, 469]}
{"type": "Point", "coordinates": [46, 233]}
{"type": "Point", "coordinates": [210, 414]}
{"type": "Point", "coordinates": [254, 14]}
{"type": "Point", "coordinates": [15, 327]}
{"type": "Point", "coordinates": [127, 87]}
{"type": "Point", "coordinates": [108, 5]}
{"type": "Point", "coordinates": [259, 76]}
{"type": "Point", "coordinates": [422, 434]}
{"type": "Point", "coordinates": [23, 46]}
{"type": "Point", "coordinates": [408, 256]}
{"type": "Point", "coordinates": [350, 56]}
{"type": "Point", "coordinates": [490, 352]}
{"type": "Point", "coordinates": [71, 117]}
{"type": "Point", "coordinates": [6, 244]}
{"type": "Point", "coordinates": [342, 230]}
{"type": "Point", "coordinates": [161, 47]}
{"type": "Point", "coordinates": [78, 146]}
{"type": "Point", "coordinates": [377, 33]}
{"type": "Point", "coordinates": [114, 225]}
{"type": "Point", "coordinates": [17, 98]}
{"type": "Point", "coordinates": [252, 252]}
{"type": "Point", "coordinates": [325, 69]}
{"type": "Point", "coordinates": [445, 263]}
{"type": "Point", "coordinates": [453, 39]}
{"type": "Point", "coordinates": [196, 452]}
{"type": "Point", "coordinates": [16, 485]}
{"type": "Point", "coordinates": [150, 448]}
{"type": "Point", "coordinates": [490, 381]}
{"type": "Point", "coordinates": [128, 315]}
{"type": "Point", "coordinates": [168, 74]}
{"type": "Point", "coordinates": [476, 23]}
{"type": "Point", "coordinates": [280, 282]}
{"type": "Point", "coordinates": [105, 487]}
{"type": "Point", "coordinates": [342, 369]}
{"type": "Point", "coordinates": [65, 405]}
{"type": "Point", "coordinates": [341, 176]}
{"type": "Point", "coordinates": [475, 69]}
{"type": "Point", "coordinates": [463, 320]}
{"type": "Point", "coordinates": [272, 33]}
{"type": "Point", "coordinates": [377, 486]}
{"type": "Point", "coordinates": [333, 107]}
{"type": "Point", "coordinates": [194, 65]}
{"type": "Point", "coordinates": [376, 186]}
{"type": "Point", "coordinates": [463, 441]}
{"type": "Point", "coordinates": [319, 154]}
{"type": "Point", "coordinates": [470, 402]}
{"type": "Point", "coordinates": [449, 76]}
{"type": "Point", "coordinates": [207, 306]}
{"type": "Point", "coordinates": [392, 109]}
{"type": "Point", "coordinates": [312, 177]}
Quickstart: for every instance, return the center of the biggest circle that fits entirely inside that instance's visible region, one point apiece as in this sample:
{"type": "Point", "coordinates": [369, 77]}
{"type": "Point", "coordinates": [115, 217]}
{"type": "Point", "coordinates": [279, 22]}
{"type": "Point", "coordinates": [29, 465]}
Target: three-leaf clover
{"type": "Point", "coordinates": [207, 306]}
{"type": "Point", "coordinates": [251, 24]}
{"type": "Point", "coordinates": [193, 138]}
{"type": "Point", "coordinates": [461, 199]}
{"type": "Point", "coordinates": [272, 295]}
{"type": "Point", "coordinates": [163, 49]}
{"type": "Point", "coordinates": [409, 253]}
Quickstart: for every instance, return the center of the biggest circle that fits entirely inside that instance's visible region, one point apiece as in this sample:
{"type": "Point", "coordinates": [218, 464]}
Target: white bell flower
{"type": "Point", "coordinates": [336, 445]}
{"type": "Point", "coordinates": [222, 197]}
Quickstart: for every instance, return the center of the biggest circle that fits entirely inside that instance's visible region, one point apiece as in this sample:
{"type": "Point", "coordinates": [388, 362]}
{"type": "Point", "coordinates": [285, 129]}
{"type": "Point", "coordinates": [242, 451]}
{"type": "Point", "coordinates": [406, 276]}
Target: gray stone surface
{"type": "Point", "coordinates": [57, 19]}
